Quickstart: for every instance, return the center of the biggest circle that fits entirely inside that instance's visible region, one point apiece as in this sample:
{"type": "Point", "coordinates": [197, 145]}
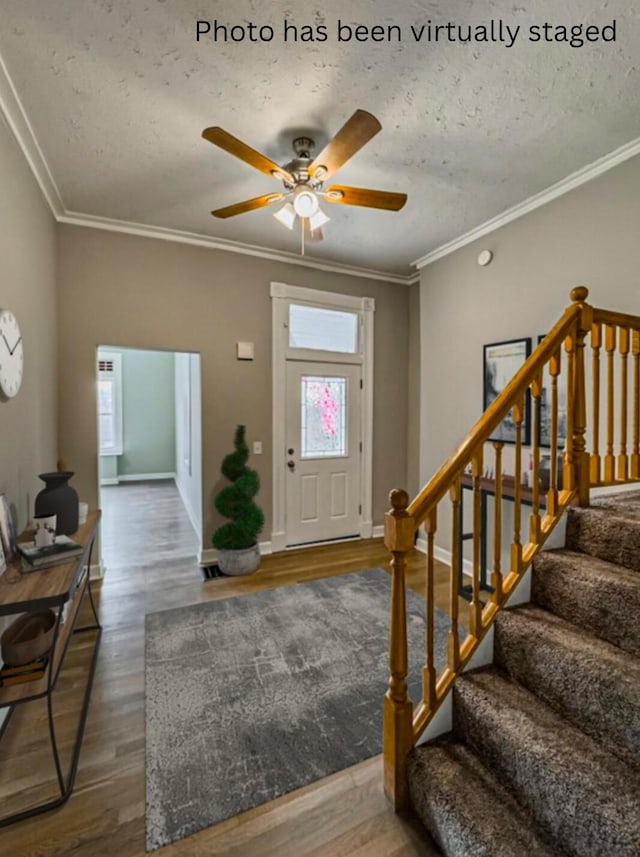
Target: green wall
{"type": "Point", "coordinates": [148, 405]}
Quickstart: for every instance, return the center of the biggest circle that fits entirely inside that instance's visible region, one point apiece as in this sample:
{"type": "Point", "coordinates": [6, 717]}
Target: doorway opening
{"type": "Point", "coordinates": [150, 456]}
{"type": "Point", "coordinates": [323, 416]}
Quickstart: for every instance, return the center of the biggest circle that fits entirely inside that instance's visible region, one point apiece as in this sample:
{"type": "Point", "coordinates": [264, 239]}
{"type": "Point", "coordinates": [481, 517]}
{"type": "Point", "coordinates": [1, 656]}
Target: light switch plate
{"type": "Point", "coordinates": [245, 350]}
{"type": "Point", "coordinates": [257, 447]}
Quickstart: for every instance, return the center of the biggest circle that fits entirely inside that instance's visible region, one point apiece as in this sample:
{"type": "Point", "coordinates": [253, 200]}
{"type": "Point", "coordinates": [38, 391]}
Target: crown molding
{"type": "Point", "coordinates": [14, 115]}
{"type": "Point", "coordinates": [212, 243]}
{"type": "Point", "coordinates": [580, 177]}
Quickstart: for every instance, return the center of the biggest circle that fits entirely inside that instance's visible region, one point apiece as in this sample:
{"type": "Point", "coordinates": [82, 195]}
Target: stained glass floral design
{"type": "Point", "coordinates": [323, 416]}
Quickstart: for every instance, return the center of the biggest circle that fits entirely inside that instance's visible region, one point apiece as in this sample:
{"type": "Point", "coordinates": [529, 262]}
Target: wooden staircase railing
{"type": "Point", "coordinates": [565, 361]}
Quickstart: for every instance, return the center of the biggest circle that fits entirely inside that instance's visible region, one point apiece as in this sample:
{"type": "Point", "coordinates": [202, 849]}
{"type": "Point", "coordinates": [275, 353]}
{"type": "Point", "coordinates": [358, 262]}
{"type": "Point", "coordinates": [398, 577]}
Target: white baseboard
{"type": "Point", "coordinates": [366, 529]}
{"type": "Point", "coordinates": [144, 477]}
{"type": "Point", "coordinates": [209, 556]}
{"type": "Point", "coordinates": [378, 531]}
{"type": "Point", "coordinates": [443, 555]}
{"type": "Point", "coordinates": [278, 541]}
{"type": "Point", "coordinates": [97, 571]}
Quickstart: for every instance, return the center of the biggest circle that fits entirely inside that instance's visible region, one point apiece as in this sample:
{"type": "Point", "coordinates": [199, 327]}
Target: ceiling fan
{"type": "Point", "coordinates": [303, 177]}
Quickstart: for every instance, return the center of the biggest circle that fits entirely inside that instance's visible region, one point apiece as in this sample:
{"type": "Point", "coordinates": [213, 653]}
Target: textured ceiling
{"type": "Point", "coordinates": [117, 94]}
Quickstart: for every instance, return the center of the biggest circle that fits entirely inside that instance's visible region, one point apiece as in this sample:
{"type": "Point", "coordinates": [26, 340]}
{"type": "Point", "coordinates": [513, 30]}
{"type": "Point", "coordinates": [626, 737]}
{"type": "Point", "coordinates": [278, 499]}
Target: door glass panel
{"type": "Point", "coordinates": [323, 418]}
{"type": "Point", "coordinates": [323, 329]}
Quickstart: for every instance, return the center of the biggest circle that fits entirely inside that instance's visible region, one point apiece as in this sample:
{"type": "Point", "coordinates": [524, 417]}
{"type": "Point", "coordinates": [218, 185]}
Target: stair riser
{"type": "Point", "coordinates": [445, 826]}
{"type": "Point", "coordinates": [453, 795]}
{"type": "Point", "coordinates": [605, 536]}
{"type": "Point", "coordinates": [608, 609]}
{"type": "Point", "coordinates": [568, 805]}
{"type": "Point", "coordinates": [594, 694]}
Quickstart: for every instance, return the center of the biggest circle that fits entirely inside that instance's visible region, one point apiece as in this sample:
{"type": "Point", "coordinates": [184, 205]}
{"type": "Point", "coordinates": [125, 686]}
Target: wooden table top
{"type": "Point", "coordinates": [488, 485]}
{"type": "Point", "coordinates": [48, 586]}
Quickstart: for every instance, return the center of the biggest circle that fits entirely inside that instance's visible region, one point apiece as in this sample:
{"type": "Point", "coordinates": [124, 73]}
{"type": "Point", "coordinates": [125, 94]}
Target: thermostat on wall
{"type": "Point", "coordinates": [245, 350]}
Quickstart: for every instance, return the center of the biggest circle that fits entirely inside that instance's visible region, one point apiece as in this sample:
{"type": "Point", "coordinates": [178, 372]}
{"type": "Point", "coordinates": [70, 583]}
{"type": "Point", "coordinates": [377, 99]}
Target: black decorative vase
{"type": "Point", "coordinates": [60, 499]}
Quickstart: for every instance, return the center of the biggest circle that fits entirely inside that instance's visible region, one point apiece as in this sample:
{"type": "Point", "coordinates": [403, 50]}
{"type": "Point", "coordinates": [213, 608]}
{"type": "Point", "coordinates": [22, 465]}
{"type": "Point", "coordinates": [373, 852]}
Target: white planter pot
{"type": "Point", "coordinates": [236, 563]}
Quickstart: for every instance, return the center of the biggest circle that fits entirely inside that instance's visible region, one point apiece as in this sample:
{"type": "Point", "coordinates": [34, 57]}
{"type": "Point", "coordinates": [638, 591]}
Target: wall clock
{"type": "Point", "coordinates": [11, 354]}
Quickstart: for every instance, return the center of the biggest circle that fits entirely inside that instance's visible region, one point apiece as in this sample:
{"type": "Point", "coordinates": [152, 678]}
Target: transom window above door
{"type": "Point", "coordinates": [319, 329]}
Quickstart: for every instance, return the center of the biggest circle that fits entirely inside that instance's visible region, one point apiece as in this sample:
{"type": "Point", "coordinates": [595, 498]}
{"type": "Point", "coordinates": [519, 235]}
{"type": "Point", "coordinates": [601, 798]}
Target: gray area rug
{"type": "Point", "coordinates": [254, 696]}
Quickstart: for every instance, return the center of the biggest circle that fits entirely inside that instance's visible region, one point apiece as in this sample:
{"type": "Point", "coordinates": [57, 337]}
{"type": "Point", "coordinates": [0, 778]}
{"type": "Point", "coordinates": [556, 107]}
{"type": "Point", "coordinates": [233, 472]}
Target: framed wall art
{"type": "Point", "coordinates": [501, 361]}
{"type": "Point", "coordinates": [545, 407]}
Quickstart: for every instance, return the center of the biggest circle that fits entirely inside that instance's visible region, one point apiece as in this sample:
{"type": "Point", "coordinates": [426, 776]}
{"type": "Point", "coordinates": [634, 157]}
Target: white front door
{"type": "Point", "coordinates": [322, 451]}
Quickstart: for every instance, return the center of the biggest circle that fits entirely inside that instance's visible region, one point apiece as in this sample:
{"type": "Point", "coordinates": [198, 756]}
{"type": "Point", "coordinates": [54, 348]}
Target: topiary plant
{"type": "Point", "coordinates": [235, 501]}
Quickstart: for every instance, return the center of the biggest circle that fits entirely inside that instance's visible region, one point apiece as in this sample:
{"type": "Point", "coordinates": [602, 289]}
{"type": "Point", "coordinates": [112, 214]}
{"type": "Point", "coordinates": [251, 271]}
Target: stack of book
{"type": "Point", "coordinates": [27, 672]}
{"type": "Point", "coordinates": [61, 551]}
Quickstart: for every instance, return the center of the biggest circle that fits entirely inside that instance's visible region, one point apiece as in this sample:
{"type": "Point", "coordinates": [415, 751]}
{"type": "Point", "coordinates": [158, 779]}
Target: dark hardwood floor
{"type": "Point", "coordinates": [345, 815]}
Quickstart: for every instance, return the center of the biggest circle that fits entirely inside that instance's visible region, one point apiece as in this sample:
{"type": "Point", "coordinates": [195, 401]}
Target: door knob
{"type": "Point", "coordinates": [291, 465]}
{"type": "Point", "coordinates": [290, 451]}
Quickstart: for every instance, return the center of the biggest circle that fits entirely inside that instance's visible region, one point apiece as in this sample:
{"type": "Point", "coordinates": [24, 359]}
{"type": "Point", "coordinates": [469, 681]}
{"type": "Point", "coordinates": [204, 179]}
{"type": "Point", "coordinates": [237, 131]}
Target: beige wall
{"type": "Point", "coordinates": [118, 289]}
{"type": "Point", "coordinates": [587, 237]}
{"type": "Point", "coordinates": [414, 376]}
{"type": "Point", "coordinates": [28, 431]}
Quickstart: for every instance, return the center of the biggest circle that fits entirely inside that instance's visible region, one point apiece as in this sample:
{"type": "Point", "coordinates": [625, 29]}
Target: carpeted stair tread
{"type": "Point", "coordinates": [609, 530]}
{"type": "Point", "coordinates": [592, 593]}
{"type": "Point", "coordinates": [625, 503]}
{"type": "Point", "coordinates": [465, 808]}
{"type": "Point", "coordinates": [587, 799]}
{"type": "Point", "coordinates": [575, 673]}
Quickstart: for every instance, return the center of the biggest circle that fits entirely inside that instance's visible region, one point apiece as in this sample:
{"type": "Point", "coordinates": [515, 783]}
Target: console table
{"type": "Point", "coordinates": [52, 587]}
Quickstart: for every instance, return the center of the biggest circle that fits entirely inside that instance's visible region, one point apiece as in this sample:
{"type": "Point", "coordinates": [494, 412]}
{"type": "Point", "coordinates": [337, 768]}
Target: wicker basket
{"type": "Point", "coordinates": [28, 638]}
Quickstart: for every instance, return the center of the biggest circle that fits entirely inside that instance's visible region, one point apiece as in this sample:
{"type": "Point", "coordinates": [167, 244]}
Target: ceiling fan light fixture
{"type": "Point", "coordinates": [286, 215]}
{"type": "Point", "coordinates": [305, 203]}
{"type": "Point", "coordinates": [334, 194]}
{"type": "Point", "coordinates": [318, 219]}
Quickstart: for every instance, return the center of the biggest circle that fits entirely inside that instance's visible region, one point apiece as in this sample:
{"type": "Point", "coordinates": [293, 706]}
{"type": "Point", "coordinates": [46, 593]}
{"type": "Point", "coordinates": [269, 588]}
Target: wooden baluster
{"type": "Point", "coordinates": [453, 639]}
{"type": "Point", "coordinates": [516, 545]}
{"type": "Point", "coordinates": [552, 494]}
{"type": "Point", "coordinates": [635, 449]}
{"type": "Point", "coordinates": [568, 470]}
{"type": "Point", "coordinates": [534, 519]}
{"type": "Point", "coordinates": [610, 347]}
{"type": "Point", "coordinates": [496, 575]}
{"type": "Point", "coordinates": [623, 349]}
{"type": "Point", "coordinates": [578, 457]}
{"type": "Point", "coordinates": [399, 533]}
{"type": "Point", "coordinates": [475, 607]}
{"type": "Point", "coordinates": [596, 344]}
{"type": "Point", "coordinates": [429, 670]}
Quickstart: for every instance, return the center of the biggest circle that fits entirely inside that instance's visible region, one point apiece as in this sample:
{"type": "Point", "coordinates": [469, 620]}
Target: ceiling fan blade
{"type": "Point", "coordinates": [220, 137]}
{"type": "Point", "coordinates": [309, 233]}
{"type": "Point", "coordinates": [366, 197]}
{"type": "Point", "coordinates": [248, 205]}
{"type": "Point", "coordinates": [350, 139]}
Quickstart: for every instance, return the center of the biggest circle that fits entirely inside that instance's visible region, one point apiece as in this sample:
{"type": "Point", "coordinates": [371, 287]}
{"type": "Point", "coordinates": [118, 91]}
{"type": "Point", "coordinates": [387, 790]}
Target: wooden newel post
{"type": "Point", "coordinates": [399, 533]}
{"type": "Point", "coordinates": [581, 463]}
